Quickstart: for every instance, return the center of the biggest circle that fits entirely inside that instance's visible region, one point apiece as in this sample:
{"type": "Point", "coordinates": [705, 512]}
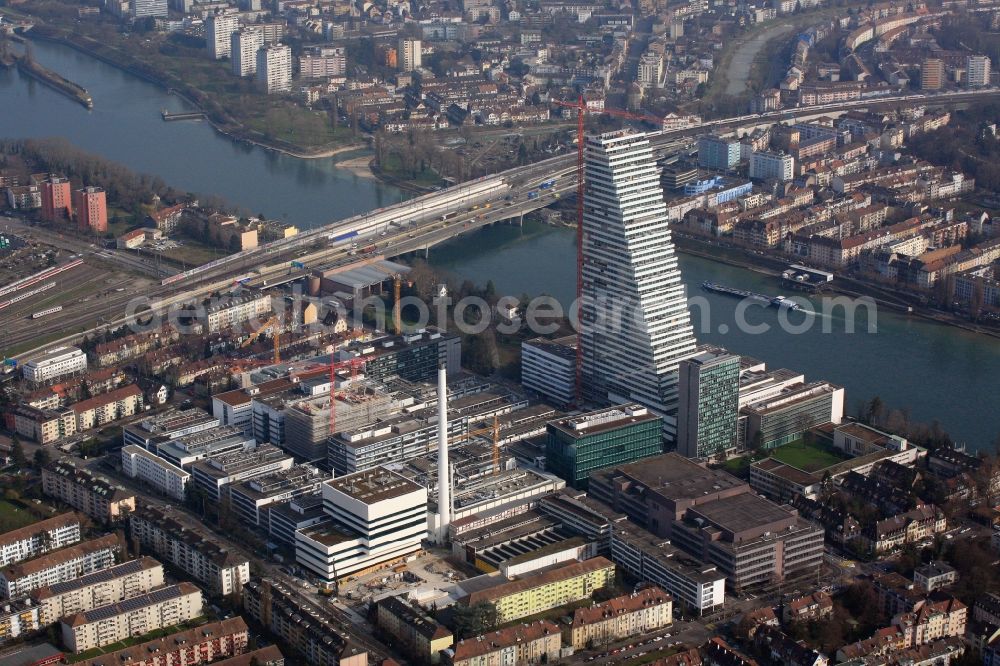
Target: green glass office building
{"type": "Point", "coordinates": [709, 388]}
{"type": "Point", "coordinates": [581, 444]}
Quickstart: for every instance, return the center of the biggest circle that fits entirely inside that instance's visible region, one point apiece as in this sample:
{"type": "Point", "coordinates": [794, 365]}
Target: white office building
{"type": "Point", "coordinates": [215, 474]}
{"type": "Point", "coordinates": [149, 9]}
{"type": "Point", "coordinates": [634, 317]}
{"type": "Point", "coordinates": [772, 166]}
{"type": "Point", "coordinates": [375, 517]}
{"type": "Point", "coordinates": [244, 44]}
{"type": "Point", "coordinates": [219, 28]}
{"type": "Point", "coordinates": [977, 71]}
{"type": "Point", "coordinates": [165, 477]}
{"type": "Point", "coordinates": [274, 69]}
{"type": "Point", "coordinates": [409, 56]}
{"type": "Point", "coordinates": [55, 363]}
{"type": "Point", "coordinates": [548, 367]}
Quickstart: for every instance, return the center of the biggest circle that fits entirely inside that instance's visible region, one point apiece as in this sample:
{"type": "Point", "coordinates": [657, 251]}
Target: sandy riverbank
{"type": "Point", "coordinates": [359, 166]}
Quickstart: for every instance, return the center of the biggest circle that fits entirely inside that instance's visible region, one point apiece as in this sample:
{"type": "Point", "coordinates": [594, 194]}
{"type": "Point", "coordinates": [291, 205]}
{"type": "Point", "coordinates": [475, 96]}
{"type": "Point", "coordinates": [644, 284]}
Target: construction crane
{"type": "Point", "coordinates": [274, 323]}
{"type": "Point", "coordinates": [355, 364]}
{"type": "Point", "coordinates": [492, 431]}
{"type": "Point", "coordinates": [581, 110]}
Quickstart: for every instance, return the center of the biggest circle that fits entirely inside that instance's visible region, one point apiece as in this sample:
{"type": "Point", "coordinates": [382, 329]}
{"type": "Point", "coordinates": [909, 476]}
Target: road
{"type": "Point", "coordinates": [421, 222]}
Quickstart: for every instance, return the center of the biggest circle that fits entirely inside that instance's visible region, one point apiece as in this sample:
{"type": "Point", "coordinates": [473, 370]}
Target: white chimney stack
{"type": "Point", "coordinates": [444, 475]}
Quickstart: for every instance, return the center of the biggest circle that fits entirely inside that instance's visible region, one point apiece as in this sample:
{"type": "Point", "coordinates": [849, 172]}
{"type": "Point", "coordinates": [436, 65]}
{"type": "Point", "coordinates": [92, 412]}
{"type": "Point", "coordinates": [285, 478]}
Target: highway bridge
{"type": "Point", "coordinates": [419, 223]}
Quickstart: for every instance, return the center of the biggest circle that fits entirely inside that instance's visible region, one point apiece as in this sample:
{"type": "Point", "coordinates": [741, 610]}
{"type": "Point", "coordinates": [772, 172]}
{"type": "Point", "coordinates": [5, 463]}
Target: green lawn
{"type": "Point", "coordinates": [13, 516]}
{"type": "Point", "coordinates": [807, 457]}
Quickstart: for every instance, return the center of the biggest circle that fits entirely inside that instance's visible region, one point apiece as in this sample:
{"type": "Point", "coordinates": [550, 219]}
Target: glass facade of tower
{"type": "Point", "coordinates": [635, 326]}
{"type": "Point", "coordinates": [579, 445]}
{"type": "Point", "coordinates": [709, 404]}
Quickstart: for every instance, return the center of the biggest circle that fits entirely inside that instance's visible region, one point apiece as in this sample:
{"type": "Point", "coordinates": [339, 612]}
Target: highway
{"type": "Point", "coordinates": [411, 225]}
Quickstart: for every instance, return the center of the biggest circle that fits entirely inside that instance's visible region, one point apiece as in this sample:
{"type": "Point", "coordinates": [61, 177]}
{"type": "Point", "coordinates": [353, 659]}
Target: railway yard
{"type": "Point", "coordinates": [40, 282]}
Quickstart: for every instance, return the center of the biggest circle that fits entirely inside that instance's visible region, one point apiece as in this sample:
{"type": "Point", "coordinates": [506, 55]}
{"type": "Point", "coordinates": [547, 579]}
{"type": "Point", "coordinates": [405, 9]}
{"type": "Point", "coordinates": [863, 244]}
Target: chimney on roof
{"type": "Point", "coordinates": [444, 476]}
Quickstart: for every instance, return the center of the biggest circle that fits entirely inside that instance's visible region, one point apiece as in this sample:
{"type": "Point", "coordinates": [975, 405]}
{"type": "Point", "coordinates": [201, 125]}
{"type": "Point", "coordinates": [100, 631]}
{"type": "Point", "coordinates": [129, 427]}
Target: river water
{"type": "Point", "coordinates": [935, 371]}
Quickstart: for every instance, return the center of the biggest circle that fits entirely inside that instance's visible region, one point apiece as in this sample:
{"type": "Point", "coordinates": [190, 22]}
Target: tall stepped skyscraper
{"type": "Point", "coordinates": [635, 326]}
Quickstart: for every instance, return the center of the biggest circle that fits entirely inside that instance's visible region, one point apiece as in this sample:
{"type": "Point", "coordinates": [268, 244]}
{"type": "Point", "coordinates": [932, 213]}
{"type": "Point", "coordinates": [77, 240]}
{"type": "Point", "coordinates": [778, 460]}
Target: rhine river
{"type": "Point", "coordinates": [934, 371]}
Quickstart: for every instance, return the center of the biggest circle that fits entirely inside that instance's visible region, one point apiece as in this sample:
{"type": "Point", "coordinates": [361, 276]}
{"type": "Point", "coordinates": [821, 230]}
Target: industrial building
{"type": "Point", "coordinates": [581, 444]}
{"type": "Point", "coordinates": [116, 583]}
{"type": "Point", "coordinates": [39, 538]}
{"type": "Point", "coordinates": [785, 417]}
{"type": "Point", "coordinates": [59, 566]}
{"type": "Point", "coordinates": [189, 549]}
{"type": "Point", "coordinates": [164, 477]}
{"type": "Point", "coordinates": [754, 540]}
{"type": "Point", "coordinates": [285, 518]}
{"type": "Point", "coordinates": [214, 475]}
{"type": "Point", "coordinates": [698, 587]}
{"type": "Point", "coordinates": [86, 492]}
{"type": "Point", "coordinates": [307, 422]}
{"type": "Point", "coordinates": [185, 450]}
{"type": "Point", "coordinates": [248, 498]}
{"type": "Point", "coordinates": [160, 428]}
{"type": "Point", "coordinates": [374, 517]}
{"type": "Point", "coordinates": [139, 615]}
{"type": "Point", "coordinates": [548, 367]}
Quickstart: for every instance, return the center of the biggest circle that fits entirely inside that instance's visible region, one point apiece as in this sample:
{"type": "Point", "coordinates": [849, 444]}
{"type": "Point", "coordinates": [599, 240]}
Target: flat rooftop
{"type": "Point", "coordinates": [603, 420]}
{"type": "Point", "coordinates": [741, 512]}
{"type": "Point", "coordinates": [374, 485]}
{"type": "Point", "coordinates": [564, 348]}
{"type": "Point", "coordinates": [675, 477]}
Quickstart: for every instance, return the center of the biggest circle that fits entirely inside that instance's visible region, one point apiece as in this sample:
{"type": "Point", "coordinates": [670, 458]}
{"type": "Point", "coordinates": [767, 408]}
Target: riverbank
{"type": "Point", "coordinates": [844, 286]}
{"type": "Point", "coordinates": [219, 120]}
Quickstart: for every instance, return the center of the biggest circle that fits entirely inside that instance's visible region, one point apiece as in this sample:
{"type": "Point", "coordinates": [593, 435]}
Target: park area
{"type": "Point", "coordinates": [807, 457]}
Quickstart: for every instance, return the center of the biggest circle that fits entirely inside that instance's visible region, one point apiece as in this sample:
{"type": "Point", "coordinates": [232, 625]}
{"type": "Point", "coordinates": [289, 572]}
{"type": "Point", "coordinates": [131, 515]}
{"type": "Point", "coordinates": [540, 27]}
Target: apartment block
{"type": "Point", "coordinates": [59, 566]}
{"type": "Point", "coordinates": [647, 610]}
{"type": "Point", "coordinates": [309, 630]}
{"type": "Point", "coordinates": [718, 153]}
{"type": "Point", "coordinates": [156, 531]}
{"type": "Point", "coordinates": [86, 492]}
{"type": "Point", "coordinates": [44, 425]}
{"type": "Point", "coordinates": [769, 166]}
{"type": "Point", "coordinates": [322, 62]}
{"type": "Point", "coordinates": [54, 363]}
{"type": "Point", "coordinates": [164, 477]}
{"type": "Point", "coordinates": [219, 27]}
{"type": "Point", "coordinates": [137, 616]}
{"type": "Point", "coordinates": [91, 208]}
{"type": "Point", "coordinates": [417, 633]}
{"type": "Point", "coordinates": [274, 68]}
{"type": "Point", "coordinates": [977, 71]}
{"type": "Point", "coordinates": [201, 645]}
{"type": "Point", "coordinates": [117, 583]}
{"type": "Point", "coordinates": [227, 311]}
{"type": "Point", "coordinates": [536, 643]}
{"type": "Point", "coordinates": [39, 538]}
{"type": "Point", "coordinates": [581, 444]}
{"type": "Point", "coordinates": [107, 407]}
{"type": "Point", "coordinates": [557, 586]}
{"type": "Point", "coordinates": [244, 44]}
{"type": "Point", "coordinates": [57, 199]}
{"type": "Point", "coordinates": [18, 618]}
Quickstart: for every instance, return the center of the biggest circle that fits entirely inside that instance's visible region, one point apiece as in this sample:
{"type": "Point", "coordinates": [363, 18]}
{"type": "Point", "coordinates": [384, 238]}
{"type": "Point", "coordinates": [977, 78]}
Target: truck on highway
{"type": "Point", "coordinates": [342, 237]}
{"type": "Point", "coordinates": [533, 195]}
{"type": "Point", "coordinates": [547, 184]}
{"type": "Point", "coordinates": [448, 216]}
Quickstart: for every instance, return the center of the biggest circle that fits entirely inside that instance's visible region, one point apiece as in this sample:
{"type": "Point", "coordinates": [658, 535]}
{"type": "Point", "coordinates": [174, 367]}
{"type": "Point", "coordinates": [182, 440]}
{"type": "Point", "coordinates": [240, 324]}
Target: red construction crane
{"type": "Point", "coordinates": [581, 110]}
{"type": "Point", "coordinates": [354, 364]}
